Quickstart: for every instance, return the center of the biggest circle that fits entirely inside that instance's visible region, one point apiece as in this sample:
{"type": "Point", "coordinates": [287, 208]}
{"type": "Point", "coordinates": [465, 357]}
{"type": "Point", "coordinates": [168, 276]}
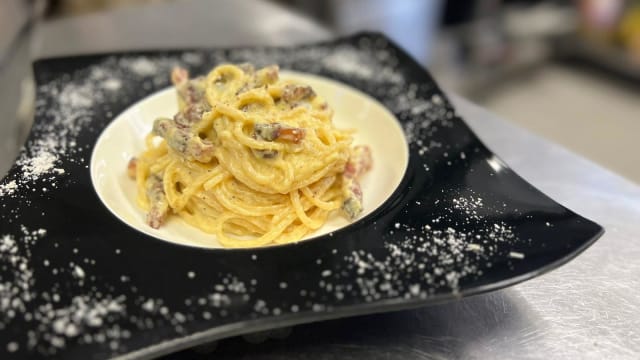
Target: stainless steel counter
{"type": "Point", "coordinates": [589, 308]}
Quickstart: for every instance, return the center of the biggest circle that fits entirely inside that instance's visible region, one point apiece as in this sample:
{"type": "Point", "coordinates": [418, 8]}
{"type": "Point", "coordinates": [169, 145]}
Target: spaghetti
{"type": "Point", "coordinates": [251, 158]}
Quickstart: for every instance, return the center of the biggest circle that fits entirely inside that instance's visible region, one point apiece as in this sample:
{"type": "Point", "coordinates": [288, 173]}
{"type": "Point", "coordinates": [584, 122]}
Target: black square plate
{"type": "Point", "coordinates": [77, 283]}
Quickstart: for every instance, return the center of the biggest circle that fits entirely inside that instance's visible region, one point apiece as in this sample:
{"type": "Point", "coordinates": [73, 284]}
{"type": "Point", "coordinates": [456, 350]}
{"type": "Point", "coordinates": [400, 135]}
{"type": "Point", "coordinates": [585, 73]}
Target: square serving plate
{"type": "Point", "coordinates": [76, 282]}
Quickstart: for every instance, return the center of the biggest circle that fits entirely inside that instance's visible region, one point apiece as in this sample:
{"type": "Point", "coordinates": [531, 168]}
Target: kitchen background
{"type": "Point", "coordinates": [566, 70]}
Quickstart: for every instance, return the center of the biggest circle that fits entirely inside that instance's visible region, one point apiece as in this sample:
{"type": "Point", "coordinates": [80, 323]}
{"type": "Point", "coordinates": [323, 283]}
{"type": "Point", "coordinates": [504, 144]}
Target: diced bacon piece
{"type": "Point", "coordinates": [266, 76]}
{"type": "Point", "coordinates": [291, 134]}
{"type": "Point", "coordinates": [179, 76]}
{"type": "Point", "coordinates": [183, 141]}
{"type": "Point", "coordinates": [352, 205]}
{"type": "Point", "coordinates": [359, 162]}
{"type": "Point", "coordinates": [132, 167]}
{"type": "Point", "coordinates": [159, 205]}
{"type": "Point", "coordinates": [191, 114]}
{"type": "Point", "coordinates": [278, 132]}
{"type": "Point", "coordinates": [295, 93]}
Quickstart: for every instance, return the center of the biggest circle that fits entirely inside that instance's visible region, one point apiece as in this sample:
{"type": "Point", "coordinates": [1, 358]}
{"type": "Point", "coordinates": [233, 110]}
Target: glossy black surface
{"type": "Point", "coordinates": [171, 296]}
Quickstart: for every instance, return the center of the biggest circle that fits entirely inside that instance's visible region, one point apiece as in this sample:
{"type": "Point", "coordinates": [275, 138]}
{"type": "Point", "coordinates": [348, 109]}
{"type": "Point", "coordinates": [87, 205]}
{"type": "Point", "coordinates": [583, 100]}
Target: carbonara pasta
{"type": "Point", "coordinates": [251, 158]}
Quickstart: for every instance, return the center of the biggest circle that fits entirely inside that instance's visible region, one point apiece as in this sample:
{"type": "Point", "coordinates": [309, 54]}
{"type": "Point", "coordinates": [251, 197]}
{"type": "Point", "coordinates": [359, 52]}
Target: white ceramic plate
{"type": "Point", "coordinates": [124, 138]}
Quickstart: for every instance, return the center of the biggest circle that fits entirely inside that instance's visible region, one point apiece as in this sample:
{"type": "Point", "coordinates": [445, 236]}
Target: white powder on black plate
{"type": "Point", "coordinates": [8, 188]}
{"type": "Point", "coordinates": [43, 162]}
{"type": "Point", "coordinates": [69, 112]}
{"type": "Point", "coordinates": [398, 270]}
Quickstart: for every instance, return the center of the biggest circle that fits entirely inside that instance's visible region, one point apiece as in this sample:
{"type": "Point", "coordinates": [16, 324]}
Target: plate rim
{"type": "Point", "coordinates": [393, 195]}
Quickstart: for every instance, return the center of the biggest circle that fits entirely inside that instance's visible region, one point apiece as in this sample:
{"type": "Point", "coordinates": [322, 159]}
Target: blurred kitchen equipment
{"type": "Point", "coordinates": [16, 87]}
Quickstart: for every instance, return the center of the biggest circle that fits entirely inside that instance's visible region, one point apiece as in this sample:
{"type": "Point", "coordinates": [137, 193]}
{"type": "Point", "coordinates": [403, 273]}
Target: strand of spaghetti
{"type": "Point", "coordinates": [255, 96]}
{"type": "Point", "coordinates": [177, 199]}
{"type": "Point", "coordinates": [230, 112]}
{"type": "Point", "coordinates": [170, 184]}
{"type": "Point", "coordinates": [248, 173]}
{"type": "Point", "coordinates": [248, 141]}
{"type": "Point", "coordinates": [225, 199]}
{"type": "Point", "coordinates": [326, 136]}
{"type": "Point", "coordinates": [215, 179]}
{"type": "Point", "coordinates": [239, 226]}
{"type": "Point", "coordinates": [208, 205]}
{"type": "Point", "coordinates": [160, 164]}
{"type": "Point", "coordinates": [245, 194]}
{"type": "Point", "coordinates": [267, 238]}
{"type": "Point", "coordinates": [304, 206]}
{"type": "Point", "coordinates": [245, 226]}
{"type": "Point", "coordinates": [293, 236]}
{"type": "Point", "coordinates": [148, 141]}
{"type": "Point", "coordinates": [300, 211]}
{"type": "Point", "coordinates": [324, 205]}
{"type": "Point", "coordinates": [142, 172]}
{"type": "Point", "coordinates": [204, 126]}
{"type": "Point", "coordinates": [288, 169]}
{"type": "Point", "coordinates": [297, 233]}
{"type": "Point", "coordinates": [257, 189]}
{"type": "Point", "coordinates": [221, 80]}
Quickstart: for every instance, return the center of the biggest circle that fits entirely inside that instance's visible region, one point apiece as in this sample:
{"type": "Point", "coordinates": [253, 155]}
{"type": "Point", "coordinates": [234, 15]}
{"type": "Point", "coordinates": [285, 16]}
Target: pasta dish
{"type": "Point", "coordinates": [253, 159]}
